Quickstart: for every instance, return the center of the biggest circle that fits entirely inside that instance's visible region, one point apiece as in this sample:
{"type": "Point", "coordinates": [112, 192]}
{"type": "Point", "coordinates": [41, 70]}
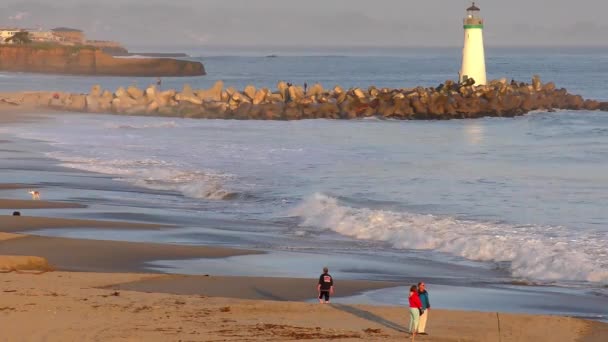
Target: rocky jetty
{"type": "Point", "coordinates": [447, 101]}
{"type": "Point", "coordinates": [85, 60]}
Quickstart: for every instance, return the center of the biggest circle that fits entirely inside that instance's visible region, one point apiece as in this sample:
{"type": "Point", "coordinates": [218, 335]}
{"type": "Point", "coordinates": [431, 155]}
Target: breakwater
{"type": "Point", "coordinates": [449, 100]}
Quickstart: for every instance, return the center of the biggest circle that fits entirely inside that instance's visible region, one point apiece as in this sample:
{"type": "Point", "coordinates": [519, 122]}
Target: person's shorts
{"type": "Point", "coordinates": [324, 294]}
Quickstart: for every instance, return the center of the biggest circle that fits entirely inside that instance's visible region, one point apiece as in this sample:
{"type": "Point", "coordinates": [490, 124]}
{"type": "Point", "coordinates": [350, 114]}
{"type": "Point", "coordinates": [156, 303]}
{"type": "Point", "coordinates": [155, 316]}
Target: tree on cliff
{"type": "Point", "coordinates": [22, 37]}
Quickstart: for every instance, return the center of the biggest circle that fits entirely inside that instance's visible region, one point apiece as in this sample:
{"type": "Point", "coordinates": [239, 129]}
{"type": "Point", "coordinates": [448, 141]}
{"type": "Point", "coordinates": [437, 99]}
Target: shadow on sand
{"type": "Point", "coordinates": [369, 316]}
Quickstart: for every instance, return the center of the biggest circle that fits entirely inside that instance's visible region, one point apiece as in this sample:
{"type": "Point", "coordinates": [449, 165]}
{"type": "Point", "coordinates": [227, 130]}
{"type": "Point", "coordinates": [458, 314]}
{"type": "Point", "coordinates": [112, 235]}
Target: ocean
{"type": "Point", "coordinates": [512, 205]}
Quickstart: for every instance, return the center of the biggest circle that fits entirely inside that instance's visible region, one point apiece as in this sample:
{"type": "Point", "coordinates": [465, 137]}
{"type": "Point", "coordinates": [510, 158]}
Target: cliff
{"type": "Point", "coordinates": [82, 60]}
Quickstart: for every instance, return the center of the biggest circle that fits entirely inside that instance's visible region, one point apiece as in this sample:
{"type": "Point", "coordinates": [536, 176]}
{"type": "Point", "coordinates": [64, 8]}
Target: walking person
{"type": "Point", "coordinates": [325, 286]}
{"type": "Point", "coordinates": [426, 308]}
{"type": "Point", "coordinates": [415, 310]}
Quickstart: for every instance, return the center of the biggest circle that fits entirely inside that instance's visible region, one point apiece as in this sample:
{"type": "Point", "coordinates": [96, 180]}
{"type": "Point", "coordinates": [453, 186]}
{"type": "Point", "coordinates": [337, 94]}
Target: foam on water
{"type": "Point", "coordinates": [164, 124]}
{"type": "Point", "coordinates": [535, 252]}
{"type": "Point", "coordinates": [157, 175]}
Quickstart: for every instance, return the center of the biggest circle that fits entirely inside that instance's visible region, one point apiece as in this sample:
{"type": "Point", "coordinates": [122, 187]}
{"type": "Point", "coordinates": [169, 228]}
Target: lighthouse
{"type": "Point", "coordinates": [473, 56]}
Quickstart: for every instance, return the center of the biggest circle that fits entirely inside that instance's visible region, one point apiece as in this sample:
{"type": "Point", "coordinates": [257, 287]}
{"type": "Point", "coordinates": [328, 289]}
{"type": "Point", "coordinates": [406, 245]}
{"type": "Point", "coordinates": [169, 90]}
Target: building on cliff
{"type": "Point", "coordinates": [43, 36]}
{"type": "Point", "coordinates": [69, 35]}
{"type": "Point", "coordinates": [8, 32]}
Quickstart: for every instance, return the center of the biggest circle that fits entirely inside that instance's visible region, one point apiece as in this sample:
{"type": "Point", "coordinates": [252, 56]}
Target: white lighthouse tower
{"type": "Point", "coordinates": [473, 56]}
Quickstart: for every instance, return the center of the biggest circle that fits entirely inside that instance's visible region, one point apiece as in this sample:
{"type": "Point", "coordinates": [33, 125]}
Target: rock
{"type": "Point", "coordinates": [238, 97]}
{"type": "Point", "coordinates": [123, 104]}
{"type": "Point", "coordinates": [136, 109]}
{"type": "Point", "coordinates": [164, 98]}
{"type": "Point", "coordinates": [316, 90]}
{"type": "Point", "coordinates": [135, 92]}
{"type": "Point", "coordinates": [292, 111]}
{"type": "Point", "coordinates": [603, 106]}
{"type": "Point", "coordinates": [274, 98]}
{"type": "Point", "coordinates": [260, 96]}
{"type": "Point", "coordinates": [151, 92]}
{"type": "Point", "coordinates": [295, 93]}
{"type": "Point", "coordinates": [187, 89]}
{"type": "Point", "coordinates": [242, 111]}
{"type": "Point", "coordinates": [373, 91]}
{"type": "Point", "coordinates": [250, 91]}
{"type": "Point", "coordinates": [217, 108]}
{"type": "Point", "coordinates": [419, 106]}
{"type": "Point", "coordinates": [359, 94]}
{"type": "Point", "coordinates": [77, 103]}
{"type": "Point", "coordinates": [96, 90]}
{"type": "Point", "coordinates": [549, 87]}
{"type": "Point", "coordinates": [152, 107]}
{"type": "Point", "coordinates": [282, 88]}
{"type": "Point", "coordinates": [168, 111]}
{"type": "Point", "coordinates": [107, 94]}
{"type": "Point", "coordinates": [271, 111]}
{"type": "Point", "coordinates": [120, 92]}
{"type": "Point", "coordinates": [187, 95]}
{"type": "Point", "coordinates": [537, 85]}
{"type": "Point", "coordinates": [574, 102]}
{"type": "Point", "coordinates": [93, 104]}
{"type": "Point", "coordinates": [212, 94]}
{"type": "Point", "coordinates": [328, 110]}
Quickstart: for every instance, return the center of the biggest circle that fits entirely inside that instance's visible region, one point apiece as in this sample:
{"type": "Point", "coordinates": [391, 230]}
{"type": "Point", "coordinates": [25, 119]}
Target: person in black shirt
{"type": "Point", "coordinates": [325, 287]}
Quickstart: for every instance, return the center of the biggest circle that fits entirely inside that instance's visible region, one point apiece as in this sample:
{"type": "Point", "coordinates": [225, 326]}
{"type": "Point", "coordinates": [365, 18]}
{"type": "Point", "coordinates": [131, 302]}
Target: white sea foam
{"type": "Point", "coordinates": [155, 174]}
{"type": "Point", "coordinates": [164, 124]}
{"type": "Point", "coordinates": [534, 252]}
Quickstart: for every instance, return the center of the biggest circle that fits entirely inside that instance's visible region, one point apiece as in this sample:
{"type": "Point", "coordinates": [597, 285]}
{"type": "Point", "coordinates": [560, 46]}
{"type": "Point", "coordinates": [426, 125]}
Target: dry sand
{"type": "Point", "coordinates": [61, 306]}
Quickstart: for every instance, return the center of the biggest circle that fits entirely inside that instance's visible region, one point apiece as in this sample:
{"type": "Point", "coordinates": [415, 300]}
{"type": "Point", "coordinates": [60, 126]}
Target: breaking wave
{"type": "Point", "coordinates": [157, 175]}
{"type": "Point", "coordinates": [532, 252]}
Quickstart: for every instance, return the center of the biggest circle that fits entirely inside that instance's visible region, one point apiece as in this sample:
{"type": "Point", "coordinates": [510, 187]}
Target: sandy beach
{"type": "Point", "coordinates": [127, 303]}
{"type": "Point", "coordinates": [61, 306]}
{"type": "Point", "coordinates": [62, 289]}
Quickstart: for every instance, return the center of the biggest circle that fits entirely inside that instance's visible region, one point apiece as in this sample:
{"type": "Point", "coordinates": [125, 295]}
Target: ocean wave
{"type": "Point", "coordinates": [532, 252]}
{"type": "Point", "coordinates": [157, 175]}
{"type": "Point", "coordinates": [166, 124]}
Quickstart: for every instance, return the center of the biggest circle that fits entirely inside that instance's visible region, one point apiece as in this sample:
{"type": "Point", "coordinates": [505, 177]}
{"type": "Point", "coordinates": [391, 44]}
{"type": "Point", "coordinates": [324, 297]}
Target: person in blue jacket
{"type": "Point", "coordinates": [426, 307]}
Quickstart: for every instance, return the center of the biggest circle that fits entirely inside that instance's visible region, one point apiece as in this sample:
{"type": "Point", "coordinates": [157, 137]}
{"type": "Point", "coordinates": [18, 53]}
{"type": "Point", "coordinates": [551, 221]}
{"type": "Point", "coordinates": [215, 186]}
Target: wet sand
{"type": "Point", "coordinates": [11, 186]}
{"type": "Point", "coordinates": [108, 256]}
{"type": "Point", "coordinates": [15, 224]}
{"type": "Point", "coordinates": [30, 204]}
{"type": "Point", "coordinates": [279, 289]}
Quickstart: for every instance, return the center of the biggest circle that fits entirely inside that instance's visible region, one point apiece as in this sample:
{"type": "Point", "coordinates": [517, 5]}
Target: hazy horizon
{"type": "Point", "coordinates": [315, 23]}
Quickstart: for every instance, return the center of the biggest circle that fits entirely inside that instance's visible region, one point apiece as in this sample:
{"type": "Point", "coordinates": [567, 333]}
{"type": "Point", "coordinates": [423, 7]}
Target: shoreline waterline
{"type": "Point", "coordinates": [85, 190]}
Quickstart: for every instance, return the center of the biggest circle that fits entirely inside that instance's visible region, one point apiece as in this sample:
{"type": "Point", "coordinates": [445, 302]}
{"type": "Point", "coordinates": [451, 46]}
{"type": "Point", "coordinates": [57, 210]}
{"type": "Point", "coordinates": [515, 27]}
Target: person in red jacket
{"type": "Point", "coordinates": [415, 310]}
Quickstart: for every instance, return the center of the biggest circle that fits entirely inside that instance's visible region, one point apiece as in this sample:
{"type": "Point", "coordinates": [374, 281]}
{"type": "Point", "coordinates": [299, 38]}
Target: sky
{"type": "Point", "coordinates": [316, 23]}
